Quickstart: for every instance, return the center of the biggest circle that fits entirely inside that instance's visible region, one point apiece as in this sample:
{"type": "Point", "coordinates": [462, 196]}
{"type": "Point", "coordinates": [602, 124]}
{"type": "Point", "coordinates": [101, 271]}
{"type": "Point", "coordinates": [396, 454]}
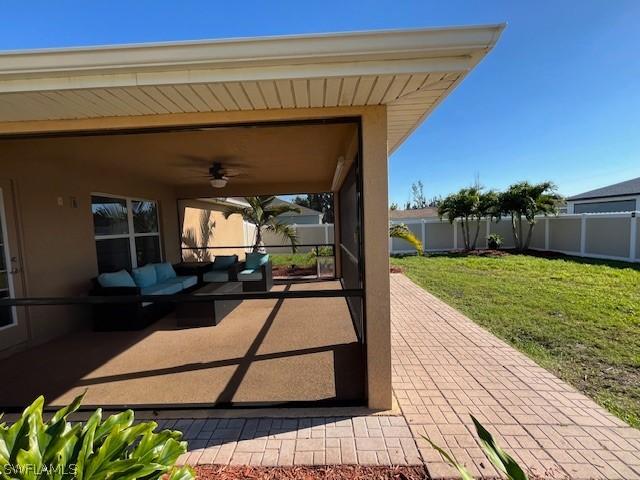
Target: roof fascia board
{"type": "Point", "coordinates": [608, 198]}
{"type": "Point", "coordinates": [303, 71]}
{"type": "Point", "coordinates": [265, 50]}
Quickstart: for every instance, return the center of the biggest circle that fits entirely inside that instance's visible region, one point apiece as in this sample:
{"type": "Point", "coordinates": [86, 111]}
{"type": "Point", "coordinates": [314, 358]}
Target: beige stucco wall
{"type": "Point", "coordinates": [227, 232]}
{"type": "Point", "coordinates": [376, 256]}
{"type": "Point", "coordinates": [608, 236]}
{"type": "Point", "coordinates": [58, 253]}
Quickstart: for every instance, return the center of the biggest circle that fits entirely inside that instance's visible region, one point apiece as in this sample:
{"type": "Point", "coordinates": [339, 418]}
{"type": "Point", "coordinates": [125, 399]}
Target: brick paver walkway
{"type": "Point", "coordinates": [445, 367]}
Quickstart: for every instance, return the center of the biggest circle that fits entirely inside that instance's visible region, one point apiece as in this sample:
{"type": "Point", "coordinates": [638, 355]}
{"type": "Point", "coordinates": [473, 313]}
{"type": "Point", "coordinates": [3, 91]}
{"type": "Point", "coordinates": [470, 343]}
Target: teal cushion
{"type": "Point", "coordinates": [256, 260]}
{"type": "Point", "coordinates": [116, 279]}
{"type": "Point", "coordinates": [249, 275]}
{"type": "Point", "coordinates": [164, 288]}
{"type": "Point", "coordinates": [223, 262]}
{"type": "Point", "coordinates": [188, 280]}
{"type": "Point", "coordinates": [216, 276]}
{"type": "Point", "coordinates": [164, 271]}
{"type": "Point", "coordinates": [145, 276]}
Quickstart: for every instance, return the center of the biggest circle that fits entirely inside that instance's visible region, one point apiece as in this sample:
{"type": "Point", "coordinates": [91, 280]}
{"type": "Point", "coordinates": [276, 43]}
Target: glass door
{"type": "Point", "coordinates": [13, 327]}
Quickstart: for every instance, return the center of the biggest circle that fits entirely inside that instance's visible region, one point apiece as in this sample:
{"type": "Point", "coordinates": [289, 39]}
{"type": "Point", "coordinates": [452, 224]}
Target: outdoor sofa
{"type": "Point", "coordinates": [151, 279]}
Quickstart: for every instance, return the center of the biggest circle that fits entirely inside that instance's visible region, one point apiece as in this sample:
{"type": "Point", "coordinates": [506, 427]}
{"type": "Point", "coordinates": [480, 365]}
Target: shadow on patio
{"type": "Point", "coordinates": [265, 351]}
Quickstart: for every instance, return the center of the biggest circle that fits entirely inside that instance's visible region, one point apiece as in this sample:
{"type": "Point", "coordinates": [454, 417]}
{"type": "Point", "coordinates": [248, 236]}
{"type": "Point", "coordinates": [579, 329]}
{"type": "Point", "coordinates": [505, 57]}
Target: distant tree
{"type": "Point", "coordinates": [393, 206]}
{"type": "Point", "coordinates": [470, 205]}
{"type": "Point", "coordinates": [527, 200]}
{"type": "Point", "coordinates": [322, 202]}
{"type": "Point", "coordinates": [418, 200]}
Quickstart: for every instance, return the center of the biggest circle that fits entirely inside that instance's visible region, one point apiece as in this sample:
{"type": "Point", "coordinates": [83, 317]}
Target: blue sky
{"type": "Point", "coordinates": [557, 99]}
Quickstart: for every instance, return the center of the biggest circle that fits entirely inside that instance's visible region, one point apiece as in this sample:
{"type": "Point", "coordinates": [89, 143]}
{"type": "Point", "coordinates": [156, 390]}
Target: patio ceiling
{"type": "Point", "coordinates": [410, 71]}
{"type": "Point", "coordinates": [265, 156]}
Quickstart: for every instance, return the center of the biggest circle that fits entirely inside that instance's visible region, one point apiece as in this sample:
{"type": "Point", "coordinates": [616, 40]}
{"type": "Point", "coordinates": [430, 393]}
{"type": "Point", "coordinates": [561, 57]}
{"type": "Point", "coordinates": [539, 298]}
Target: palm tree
{"type": "Point", "coordinates": [527, 200]}
{"type": "Point", "coordinates": [470, 205]}
{"type": "Point", "coordinates": [197, 246]}
{"type": "Point", "coordinates": [264, 215]}
{"type": "Point", "coordinates": [402, 231]}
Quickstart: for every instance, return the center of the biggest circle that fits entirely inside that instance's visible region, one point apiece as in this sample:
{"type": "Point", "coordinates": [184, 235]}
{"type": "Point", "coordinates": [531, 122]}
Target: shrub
{"type": "Point", "coordinates": [494, 241]}
{"type": "Point", "coordinates": [113, 448]}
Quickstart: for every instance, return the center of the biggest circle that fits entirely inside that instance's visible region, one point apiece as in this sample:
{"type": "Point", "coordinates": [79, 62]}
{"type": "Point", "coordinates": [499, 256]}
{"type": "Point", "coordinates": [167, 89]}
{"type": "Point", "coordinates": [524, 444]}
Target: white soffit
{"type": "Point", "coordinates": [410, 71]}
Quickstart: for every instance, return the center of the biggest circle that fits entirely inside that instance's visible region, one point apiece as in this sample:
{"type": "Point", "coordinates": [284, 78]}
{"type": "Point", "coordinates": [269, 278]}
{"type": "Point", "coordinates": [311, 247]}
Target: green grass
{"type": "Point", "coordinates": [578, 318]}
{"type": "Point", "coordinates": [288, 259]}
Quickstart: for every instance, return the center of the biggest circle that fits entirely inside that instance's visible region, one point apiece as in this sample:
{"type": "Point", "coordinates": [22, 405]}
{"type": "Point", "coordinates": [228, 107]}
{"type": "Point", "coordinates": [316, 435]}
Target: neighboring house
{"type": "Point", "coordinates": [307, 216]}
{"type": "Point", "coordinates": [413, 213]}
{"type": "Point", "coordinates": [102, 147]}
{"type": "Point", "coordinates": [619, 197]}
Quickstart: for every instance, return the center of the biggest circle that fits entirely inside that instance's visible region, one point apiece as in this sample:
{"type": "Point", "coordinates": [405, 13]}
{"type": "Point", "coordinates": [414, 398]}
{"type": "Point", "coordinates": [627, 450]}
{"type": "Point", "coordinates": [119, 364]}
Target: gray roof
{"type": "Point", "coordinates": [413, 213]}
{"type": "Point", "coordinates": [628, 187]}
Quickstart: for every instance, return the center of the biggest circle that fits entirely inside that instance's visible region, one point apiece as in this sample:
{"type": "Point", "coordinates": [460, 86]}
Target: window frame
{"type": "Point", "coordinates": [131, 235]}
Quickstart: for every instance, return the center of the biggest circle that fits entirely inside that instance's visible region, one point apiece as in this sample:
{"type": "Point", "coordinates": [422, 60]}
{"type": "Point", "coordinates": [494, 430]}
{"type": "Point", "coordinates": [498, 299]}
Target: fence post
{"type": "Point", "coordinates": [424, 235]}
{"type": "Point", "coordinates": [455, 235]}
{"type": "Point", "coordinates": [547, 234]}
{"type": "Point", "coordinates": [486, 237]}
{"type": "Point", "coordinates": [326, 233]}
{"type": "Point", "coordinates": [583, 234]}
{"type": "Point", "coordinates": [633, 236]}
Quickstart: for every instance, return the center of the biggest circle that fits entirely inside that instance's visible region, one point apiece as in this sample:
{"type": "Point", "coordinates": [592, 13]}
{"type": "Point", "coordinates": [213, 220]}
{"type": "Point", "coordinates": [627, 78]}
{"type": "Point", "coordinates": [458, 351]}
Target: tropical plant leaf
{"type": "Point", "coordinates": [464, 473]}
{"type": "Point", "coordinates": [115, 449]}
{"type": "Point", "coordinates": [402, 231]}
{"type": "Point", "coordinates": [182, 473]}
{"type": "Point", "coordinates": [498, 457]}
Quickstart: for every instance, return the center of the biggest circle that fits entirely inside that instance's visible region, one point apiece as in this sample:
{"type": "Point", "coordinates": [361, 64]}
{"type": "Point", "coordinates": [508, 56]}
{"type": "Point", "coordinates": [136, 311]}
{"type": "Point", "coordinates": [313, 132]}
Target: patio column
{"type": "Point", "coordinates": [376, 257]}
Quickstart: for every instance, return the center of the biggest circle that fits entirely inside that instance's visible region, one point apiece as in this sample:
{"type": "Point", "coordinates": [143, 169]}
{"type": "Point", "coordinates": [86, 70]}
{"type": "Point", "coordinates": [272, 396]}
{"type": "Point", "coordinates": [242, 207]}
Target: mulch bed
{"type": "Point", "coordinates": [330, 472]}
{"type": "Point", "coordinates": [281, 271]}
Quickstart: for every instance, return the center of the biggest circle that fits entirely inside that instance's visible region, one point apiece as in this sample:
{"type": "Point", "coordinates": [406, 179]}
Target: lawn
{"type": "Point", "coordinates": [578, 318]}
{"type": "Point", "coordinates": [288, 259]}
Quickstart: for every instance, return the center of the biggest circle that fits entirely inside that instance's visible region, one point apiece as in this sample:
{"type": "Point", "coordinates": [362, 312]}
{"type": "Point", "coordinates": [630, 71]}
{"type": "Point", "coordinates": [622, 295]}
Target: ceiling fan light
{"type": "Point", "coordinates": [218, 182]}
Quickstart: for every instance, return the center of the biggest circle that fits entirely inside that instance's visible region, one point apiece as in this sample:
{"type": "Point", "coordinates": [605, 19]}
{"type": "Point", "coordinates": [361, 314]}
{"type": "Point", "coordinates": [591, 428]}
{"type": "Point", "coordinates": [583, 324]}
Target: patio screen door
{"type": "Point", "coordinates": [13, 327]}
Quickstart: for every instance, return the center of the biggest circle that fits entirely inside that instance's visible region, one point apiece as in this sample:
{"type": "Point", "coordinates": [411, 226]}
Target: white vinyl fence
{"type": "Point", "coordinates": [312, 234]}
{"type": "Point", "coordinates": [611, 236]}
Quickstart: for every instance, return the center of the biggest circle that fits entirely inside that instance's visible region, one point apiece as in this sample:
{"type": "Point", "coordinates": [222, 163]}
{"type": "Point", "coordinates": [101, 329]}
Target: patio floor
{"type": "Point", "coordinates": [445, 367]}
{"type": "Point", "coordinates": [257, 353]}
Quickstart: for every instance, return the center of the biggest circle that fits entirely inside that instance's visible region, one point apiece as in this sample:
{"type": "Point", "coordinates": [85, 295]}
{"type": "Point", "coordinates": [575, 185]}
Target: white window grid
{"type": "Point", "coordinates": [132, 235]}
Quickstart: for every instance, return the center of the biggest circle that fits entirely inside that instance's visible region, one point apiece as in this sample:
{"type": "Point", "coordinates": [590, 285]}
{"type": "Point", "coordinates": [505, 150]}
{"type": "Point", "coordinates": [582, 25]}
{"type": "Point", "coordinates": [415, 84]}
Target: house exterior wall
{"type": "Point", "coordinates": [75, 249]}
{"type": "Point", "coordinates": [605, 206]}
{"type": "Point", "coordinates": [58, 253]}
{"type": "Point", "coordinates": [227, 232]}
{"type": "Point", "coordinates": [376, 256]}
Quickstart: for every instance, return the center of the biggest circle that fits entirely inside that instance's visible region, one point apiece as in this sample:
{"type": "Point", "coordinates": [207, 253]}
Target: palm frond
{"type": "Point", "coordinates": [287, 232]}
{"type": "Point", "coordinates": [402, 231]}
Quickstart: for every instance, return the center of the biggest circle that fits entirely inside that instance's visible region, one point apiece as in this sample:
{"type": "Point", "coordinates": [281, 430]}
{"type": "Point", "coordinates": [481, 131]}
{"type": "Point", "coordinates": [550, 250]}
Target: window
{"type": "Point", "coordinates": [127, 232]}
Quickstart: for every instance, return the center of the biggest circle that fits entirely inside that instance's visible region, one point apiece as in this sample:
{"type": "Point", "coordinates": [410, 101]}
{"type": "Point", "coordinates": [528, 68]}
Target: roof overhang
{"type": "Point", "coordinates": [409, 71]}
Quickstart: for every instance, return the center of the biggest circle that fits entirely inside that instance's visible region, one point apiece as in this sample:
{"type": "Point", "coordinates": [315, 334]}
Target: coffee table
{"type": "Point", "coordinates": [203, 314]}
